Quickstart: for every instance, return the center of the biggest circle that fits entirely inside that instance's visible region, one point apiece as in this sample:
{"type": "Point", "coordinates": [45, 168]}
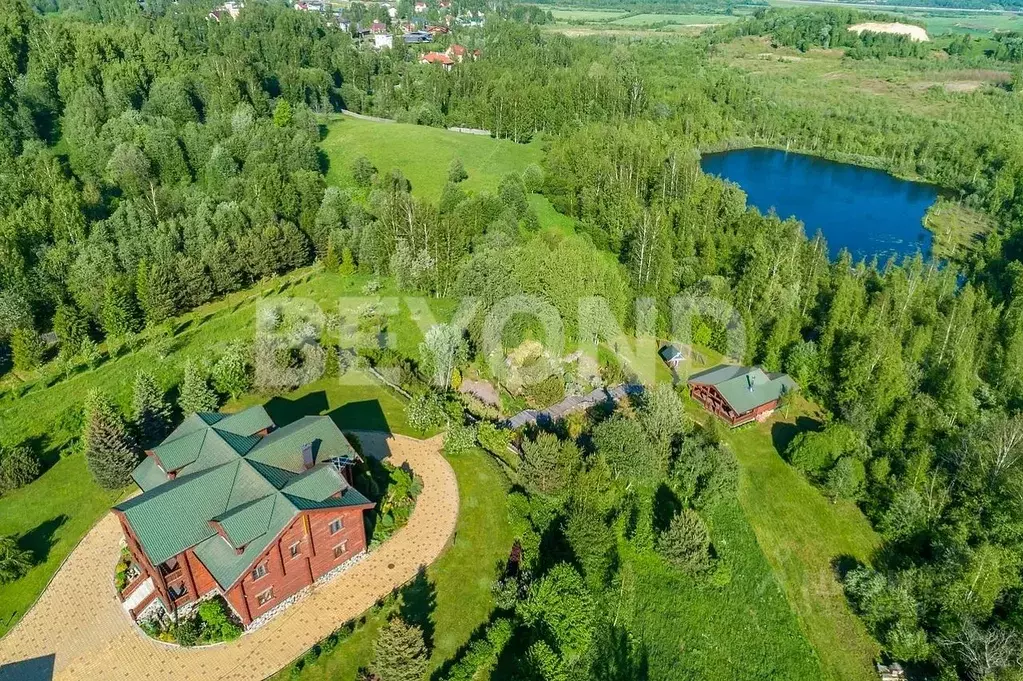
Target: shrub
{"type": "Point", "coordinates": [461, 439]}
{"type": "Point", "coordinates": [18, 467]}
{"type": "Point", "coordinates": [686, 543]}
{"type": "Point", "coordinates": [187, 632]}
{"type": "Point", "coordinates": [217, 624]}
{"type": "Point", "coordinates": [546, 392]}
{"type": "Point", "coordinates": [532, 178]}
{"type": "Point", "coordinates": [425, 412]}
{"type": "Point", "coordinates": [846, 479]}
{"type": "Point", "coordinates": [363, 171]}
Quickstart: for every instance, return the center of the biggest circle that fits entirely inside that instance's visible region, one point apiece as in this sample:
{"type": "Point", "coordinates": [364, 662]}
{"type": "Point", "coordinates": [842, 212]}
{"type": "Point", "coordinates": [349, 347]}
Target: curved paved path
{"type": "Point", "coordinates": [81, 631]}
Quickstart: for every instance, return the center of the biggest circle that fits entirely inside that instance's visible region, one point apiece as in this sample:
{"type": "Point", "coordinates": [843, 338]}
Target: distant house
{"type": "Point", "coordinates": [437, 58]}
{"type": "Point", "coordinates": [444, 4]}
{"type": "Point", "coordinates": [436, 30]}
{"type": "Point", "coordinates": [383, 40]}
{"type": "Point", "coordinates": [378, 27]}
{"type": "Point", "coordinates": [671, 355]}
{"type": "Point", "coordinates": [456, 52]}
{"type": "Point", "coordinates": [420, 7]}
{"type": "Point", "coordinates": [228, 9]}
{"type": "Point", "coordinates": [739, 394]}
{"type": "Point", "coordinates": [233, 505]}
{"type": "Point", "coordinates": [416, 37]}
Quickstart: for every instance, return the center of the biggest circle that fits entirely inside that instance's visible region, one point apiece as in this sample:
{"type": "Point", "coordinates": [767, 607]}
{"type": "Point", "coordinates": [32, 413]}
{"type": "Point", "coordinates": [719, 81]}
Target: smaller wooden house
{"type": "Point", "coordinates": [739, 394]}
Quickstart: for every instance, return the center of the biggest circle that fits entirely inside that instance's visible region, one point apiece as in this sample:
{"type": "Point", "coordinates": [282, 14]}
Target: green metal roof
{"type": "Point", "coordinates": [283, 448]}
{"type": "Point", "coordinates": [250, 486]}
{"type": "Point", "coordinates": [745, 388]}
{"type": "Point", "coordinates": [248, 521]}
{"type": "Point", "coordinates": [316, 484]}
{"type": "Point", "coordinates": [148, 475]}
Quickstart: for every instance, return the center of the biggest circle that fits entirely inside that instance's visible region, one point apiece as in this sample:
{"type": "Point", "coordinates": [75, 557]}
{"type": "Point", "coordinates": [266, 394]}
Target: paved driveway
{"type": "Point", "coordinates": [79, 630]}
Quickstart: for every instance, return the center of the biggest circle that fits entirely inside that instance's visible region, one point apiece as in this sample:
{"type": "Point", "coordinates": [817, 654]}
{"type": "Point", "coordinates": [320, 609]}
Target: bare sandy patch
{"type": "Point", "coordinates": [914, 32]}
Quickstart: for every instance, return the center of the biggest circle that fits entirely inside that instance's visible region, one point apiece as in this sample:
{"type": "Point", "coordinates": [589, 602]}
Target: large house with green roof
{"type": "Point", "coordinates": [739, 394]}
{"type": "Point", "coordinates": [233, 505]}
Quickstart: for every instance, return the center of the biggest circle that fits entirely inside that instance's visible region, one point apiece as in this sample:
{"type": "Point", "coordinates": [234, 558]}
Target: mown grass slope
{"type": "Point", "coordinates": [423, 154]}
{"type": "Point", "coordinates": [804, 536]}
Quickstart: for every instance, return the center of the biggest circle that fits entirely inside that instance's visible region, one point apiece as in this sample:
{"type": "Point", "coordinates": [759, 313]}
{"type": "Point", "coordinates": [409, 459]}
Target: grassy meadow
{"type": "Point", "coordinates": [804, 536]}
{"type": "Point", "coordinates": [423, 154]}
{"type": "Point", "coordinates": [455, 597]}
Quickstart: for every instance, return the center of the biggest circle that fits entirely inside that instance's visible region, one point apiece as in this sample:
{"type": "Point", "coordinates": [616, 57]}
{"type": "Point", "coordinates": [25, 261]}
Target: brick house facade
{"type": "Point", "coordinates": [233, 506]}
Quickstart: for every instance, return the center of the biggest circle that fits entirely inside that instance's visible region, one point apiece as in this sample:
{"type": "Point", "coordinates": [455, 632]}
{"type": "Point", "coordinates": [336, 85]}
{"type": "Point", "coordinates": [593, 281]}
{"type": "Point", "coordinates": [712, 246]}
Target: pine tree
{"type": "Point", "coordinates": [196, 394]}
{"type": "Point", "coordinates": [149, 409]}
{"type": "Point", "coordinates": [120, 315]}
{"type": "Point", "coordinates": [400, 654]}
{"type": "Point", "coordinates": [27, 348]}
{"type": "Point", "coordinates": [330, 259]}
{"type": "Point", "coordinates": [110, 451]}
{"type": "Point", "coordinates": [347, 267]}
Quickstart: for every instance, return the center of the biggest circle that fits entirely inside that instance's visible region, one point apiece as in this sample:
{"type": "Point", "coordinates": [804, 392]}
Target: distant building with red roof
{"type": "Point", "coordinates": [437, 58]}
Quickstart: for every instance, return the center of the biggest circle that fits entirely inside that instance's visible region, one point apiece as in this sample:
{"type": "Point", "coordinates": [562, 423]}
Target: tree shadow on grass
{"type": "Point", "coordinates": [361, 415]}
{"type": "Point", "coordinates": [285, 411]}
{"type": "Point", "coordinates": [418, 603]}
{"type": "Point", "coordinates": [782, 433]}
{"type": "Point", "coordinates": [666, 507]}
{"type": "Point", "coordinates": [39, 540]}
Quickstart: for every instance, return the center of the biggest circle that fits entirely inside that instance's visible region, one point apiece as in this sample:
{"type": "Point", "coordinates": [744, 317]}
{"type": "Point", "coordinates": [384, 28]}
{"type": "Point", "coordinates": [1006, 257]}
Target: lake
{"type": "Point", "coordinates": [866, 211]}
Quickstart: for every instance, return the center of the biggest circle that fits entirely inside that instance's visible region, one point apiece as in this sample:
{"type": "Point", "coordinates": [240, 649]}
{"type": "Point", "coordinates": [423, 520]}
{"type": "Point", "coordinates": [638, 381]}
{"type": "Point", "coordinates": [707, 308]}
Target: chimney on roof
{"type": "Point", "coordinates": [307, 455]}
{"type": "Point", "coordinates": [749, 381]}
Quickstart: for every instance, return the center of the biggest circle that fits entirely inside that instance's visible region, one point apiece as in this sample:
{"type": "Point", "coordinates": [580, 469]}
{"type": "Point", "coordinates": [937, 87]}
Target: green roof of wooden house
{"type": "Point", "coordinates": [745, 388]}
{"type": "Point", "coordinates": [233, 491]}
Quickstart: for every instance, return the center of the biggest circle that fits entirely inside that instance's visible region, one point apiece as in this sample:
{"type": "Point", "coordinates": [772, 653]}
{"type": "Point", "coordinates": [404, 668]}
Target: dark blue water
{"type": "Point", "coordinates": [866, 211]}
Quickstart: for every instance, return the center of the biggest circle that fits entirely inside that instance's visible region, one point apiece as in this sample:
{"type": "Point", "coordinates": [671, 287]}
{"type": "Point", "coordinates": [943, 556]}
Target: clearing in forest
{"type": "Point", "coordinates": [914, 32]}
{"type": "Point", "coordinates": [805, 538]}
{"type": "Point", "coordinates": [423, 154]}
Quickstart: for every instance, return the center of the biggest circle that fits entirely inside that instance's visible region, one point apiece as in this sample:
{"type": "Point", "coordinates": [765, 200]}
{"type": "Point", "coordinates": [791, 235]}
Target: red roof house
{"type": "Point", "coordinates": [437, 58]}
{"type": "Point", "coordinates": [456, 52]}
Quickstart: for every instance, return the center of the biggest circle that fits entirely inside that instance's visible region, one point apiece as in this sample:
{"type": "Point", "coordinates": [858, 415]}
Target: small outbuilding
{"type": "Point", "coordinates": [671, 355]}
{"type": "Point", "coordinates": [740, 394]}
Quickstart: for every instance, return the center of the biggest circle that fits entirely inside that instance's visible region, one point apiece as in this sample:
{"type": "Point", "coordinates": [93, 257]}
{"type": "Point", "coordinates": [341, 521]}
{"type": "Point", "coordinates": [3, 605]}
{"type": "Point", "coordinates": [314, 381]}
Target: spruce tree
{"type": "Point", "coordinates": [400, 654]}
{"type": "Point", "coordinates": [120, 315]}
{"type": "Point", "coordinates": [149, 410]}
{"type": "Point", "coordinates": [27, 348]}
{"type": "Point", "coordinates": [196, 394]}
{"type": "Point", "coordinates": [110, 451]}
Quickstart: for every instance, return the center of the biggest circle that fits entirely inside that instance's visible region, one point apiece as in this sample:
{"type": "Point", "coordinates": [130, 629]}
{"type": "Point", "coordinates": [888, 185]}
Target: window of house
{"type": "Point", "coordinates": [265, 597]}
{"type": "Point", "coordinates": [336, 525]}
{"type": "Point", "coordinates": [260, 571]}
{"type": "Point", "coordinates": [177, 591]}
{"type": "Point", "coordinates": [340, 549]}
{"type": "Point", "coordinates": [295, 549]}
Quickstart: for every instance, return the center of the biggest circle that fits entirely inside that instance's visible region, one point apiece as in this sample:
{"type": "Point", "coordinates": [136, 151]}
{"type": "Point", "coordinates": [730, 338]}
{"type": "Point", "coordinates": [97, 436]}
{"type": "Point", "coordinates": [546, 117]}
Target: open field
{"type": "Point", "coordinates": [675, 19]}
{"type": "Point", "coordinates": [456, 597]}
{"type": "Point", "coordinates": [937, 20]}
{"type": "Point", "coordinates": [804, 535]}
{"type": "Point", "coordinates": [423, 154]}
{"type": "Point", "coordinates": [582, 15]}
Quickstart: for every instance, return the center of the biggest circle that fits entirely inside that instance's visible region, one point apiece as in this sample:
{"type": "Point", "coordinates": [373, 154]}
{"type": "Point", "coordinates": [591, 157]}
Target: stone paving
{"type": "Point", "coordinates": [79, 630]}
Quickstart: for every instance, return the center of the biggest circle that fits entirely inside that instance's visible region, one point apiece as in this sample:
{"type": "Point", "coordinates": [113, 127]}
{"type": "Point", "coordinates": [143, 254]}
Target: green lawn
{"type": "Point", "coordinates": [49, 517]}
{"type": "Point", "coordinates": [423, 154]}
{"type": "Point", "coordinates": [742, 630]}
{"type": "Point", "coordinates": [455, 597]}
{"type": "Point", "coordinates": [802, 534]}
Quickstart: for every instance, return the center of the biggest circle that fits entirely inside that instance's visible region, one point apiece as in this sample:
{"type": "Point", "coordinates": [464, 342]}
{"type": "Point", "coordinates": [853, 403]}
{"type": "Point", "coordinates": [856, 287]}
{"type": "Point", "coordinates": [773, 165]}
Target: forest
{"type": "Point", "coordinates": [151, 162]}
